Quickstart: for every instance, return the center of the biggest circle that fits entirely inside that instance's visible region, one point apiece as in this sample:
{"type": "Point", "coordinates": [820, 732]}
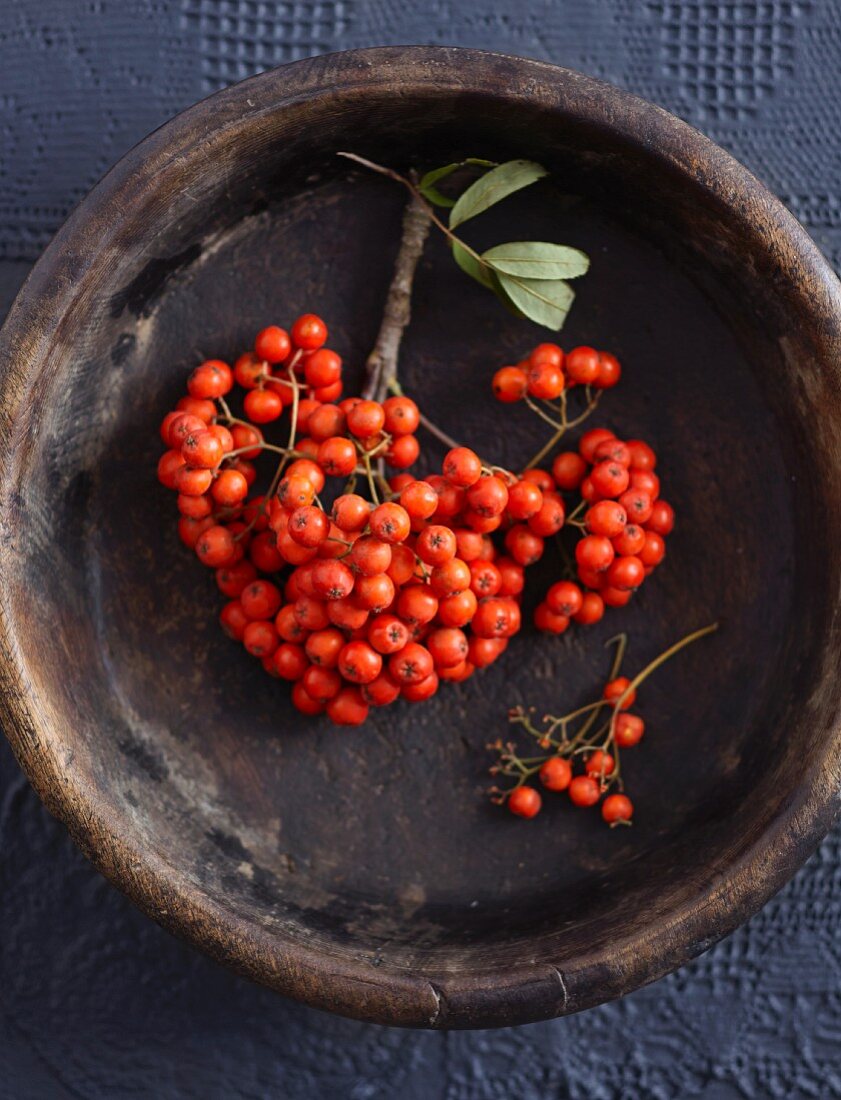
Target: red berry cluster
{"type": "Point", "coordinates": [624, 521]}
{"type": "Point", "coordinates": [360, 601]}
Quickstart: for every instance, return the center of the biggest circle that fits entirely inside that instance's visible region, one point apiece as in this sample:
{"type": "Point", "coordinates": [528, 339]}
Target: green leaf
{"type": "Point", "coordinates": [427, 184]}
{"type": "Point", "coordinates": [493, 186]}
{"type": "Point", "coordinates": [546, 302]}
{"type": "Point", "coordinates": [471, 266]}
{"type": "Point", "coordinates": [537, 260]}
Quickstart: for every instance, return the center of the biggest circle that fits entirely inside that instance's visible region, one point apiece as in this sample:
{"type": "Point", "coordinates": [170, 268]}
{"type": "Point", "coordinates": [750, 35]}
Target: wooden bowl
{"type": "Point", "coordinates": [364, 871]}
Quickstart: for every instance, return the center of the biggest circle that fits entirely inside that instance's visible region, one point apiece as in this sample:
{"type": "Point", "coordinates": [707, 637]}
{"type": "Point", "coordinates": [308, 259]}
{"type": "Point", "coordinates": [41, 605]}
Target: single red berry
{"type": "Point", "coordinates": [457, 610]}
{"type": "Point", "coordinates": [550, 621]}
{"type": "Point", "coordinates": [215, 546]}
{"type": "Point", "coordinates": [366, 419]}
{"type": "Point", "coordinates": [234, 620]}
{"type": "Point", "coordinates": [569, 470]}
{"type": "Point", "coordinates": [260, 638]}
{"type": "Point", "coordinates": [609, 373]}
{"type": "Point", "coordinates": [591, 439]}
{"type": "Point", "coordinates": [229, 488]}
{"type": "Point", "coordinates": [295, 491]}
{"type": "Point", "coordinates": [387, 633]}
{"type": "Point", "coordinates": [350, 512]}
{"type": "Point", "coordinates": [485, 578]}
{"type": "Point", "coordinates": [381, 691]}
{"type": "Point", "coordinates": [496, 618]}
{"type": "Point", "coordinates": [260, 600]}
{"type": "Point", "coordinates": [653, 551]}
{"type": "Point", "coordinates": [642, 456]}
{"type": "Point", "coordinates": [615, 597]}
{"type": "Point", "coordinates": [200, 407]}
{"type": "Point", "coordinates": [303, 701]}
{"type": "Point", "coordinates": [555, 774]}
{"type": "Point", "coordinates": [272, 344]}
{"type": "Point", "coordinates": [324, 646]}
{"type": "Point", "coordinates": [550, 518]}
{"type": "Point", "coordinates": [541, 478]}
{"type": "Point", "coordinates": [609, 478]}
{"type": "Point", "coordinates": [662, 518]}
{"type": "Point", "coordinates": [488, 496]}
{"type": "Point", "coordinates": [347, 707]}
{"type": "Point", "coordinates": [232, 579]}
{"type": "Point", "coordinates": [594, 552]}
{"type": "Point", "coordinates": [322, 683]}
{"type": "Point", "coordinates": [462, 467]}
{"type": "Point", "coordinates": [645, 481]}
{"type": "Point", "coordinates": [370, 556]}
{"type": "Point", "coordinates": [450, 578]}
{"type": "Point", "coordinates": [419, 499]}
{"type": "Point", "coordinates": [323, 368]}
{"type": "Point", "coordinates": [525, 499]}
{"type": "Point", "coordinates": [630, 541]}
{"type": "Point", "coordinates": [638, 505]}
{"type": "Point", "coordinates": [308, 525]}
{"type": "Point", "coordinates": [614, 450]}
{"type": "Point", "coordinates": [374, 593]}
{"type": "Point", "coordinates": [210, 380]}
{"type": "Point", "coordinates": [326, 421]}
{"type": "Point", "coordinates": [584, 791]}
{"type": "Point", "coordinates": [628, 730]}
{"type": "Point", "coordinates": [524, 545]}
{"type": "Point", "coordinates": [411, 664]}
{"type": "Point", "coordinates": [547, 353]}
{"type": "Point", "coordinates": [347, 614]}
{"type": "Point", "coordinates": [309, 332]}
{"type": "Point", "coordinates": [436, 544]}
{"type": "Point", "coordinates": [402, 416]}
{"type": "Point", "coordinates": [525, 802]}
{"type": "Point", "coordinates": [169, 464]}
{"type": "Point", "coordinates": [545, 381]}
{"type": "Point", "coordinates": [626, 573]}
{"type": "Point", "coordinates": [191, 482]}
{"type": "Point", "coordinates": [509, 384]}
{"type": "Point", "coordinates": [599, 763]}
{"type": "Point", "coordinates": [290, 661]}
{"type": "Point", "coordinates": [616, 688]}
{"type": "Point", "coordinates": [337, 456]}
{"type": "Point", "coordinates": [417, 603]}
{"type": "Point", "coordinates": [607, 518]}
{"type": "Point", "coordinates": [617, 809]}
{"type": "Point", "coordinates": [592, 609]}
{"type": "Point", "coordinates": [250, 370]}
{"type": "Point", "coordinates": [262, 406]}
{"type": "Point", "coordinates": [484, 651]}
{"type": "Point", "coordinates": [360, 663]}
{"type": "Point", "coordinates": [403, 452]}
{"type": "Point", "coordinates": [417, 693]}
{"type": "Point", "coordinates": [331, 579]}
{"type": "Point", "coordinates": [582, 365]}
{"type": "Point", "coordinates": [512, 576]}
{"type": "Point", "coordinates": [564, 598]}
{"type": "Point", "coordinates": [448, 646]}
{"type": "Point", "coordinates": [390, 522]}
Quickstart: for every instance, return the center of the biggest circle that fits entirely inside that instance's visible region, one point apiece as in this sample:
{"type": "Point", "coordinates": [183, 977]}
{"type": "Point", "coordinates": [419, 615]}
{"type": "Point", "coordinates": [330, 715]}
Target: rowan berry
{"type": "Point", "coordinates": [210, 380]}
{"type": "Point", "coordinates": [617, 809]}
{"type": "Point", "coordinates": [457, 610]}
{"type": "Point", "coordinates": [381, 691]}
{"type": "Point", "coordinates": [555, 774]}
{"type": "Point", "coordinates": [233, 620]}
{"type": "Point", "coordinates": [365, 419]}
{"type": "Point", "coordinates": [462, 467]}
{"type": "Point", "coordinates": [348, 707]}
{"type": "Point", "coordinates": [417, 693]}
{"type": "Point", "coordinates": [548, 620]}
{"type": "Point", "coordinates": [347, 614]}
{"type": "Point", "coordinates": [417, 603]}
{"type": "Point", "coordinates": [599, 763]}
{"type": "Point", "coordinates": [545, 381]}
{"type": "Point", "coordinates": [260, 638]}
{"type": "Point", "coordinates": [370, 556]}
{"type": "Point", "coordinates": [626, 573]}
{"type": "Point", "coordinates": [390, 522]}
{"type": "Point", "coordinates": [653, 550]}
{"type": "Point", "coordinates": [584, 791]}
{"type": "Point", "coordinates": [488, 496]}
{"type": "Point", "coordinates": [662, 518]}
{"type": "Point", "coordinates": [337, 456]}
{"type": "Point", "coordinates": [591, 439]}
{"type": "Point", "coordinates": [547, 353]}
{"type": "Point", "coordinates": [450, 578]}
{"type": "Point", "coordinates": [512, 575]}
{"type": "Point", "coordinates": [436, 544]}
{"type": "Point", "coordinates": [609, 372]}
{"type": "Point", "coordinates": [295, 491]}
{"type": "Point", "coordinates": [272, 344]}
{"type": "Point", "coordinates": [402, 416]}
{"type": "Point", "coordinates": [262, 406]}
{"type": "Point", "coordinates": [628, 730]}
{"type": "Point", "coordinates": [309, 332]}
{"type": "Point", "coordinates": [592, 609]}
{"type": "Point", "coordinates": [568, 470]}
{"type": "Point", "coordinates": [509, 384]}
{"type": "Point", "coordinates": [524, 546]}
{"type": "Point", "coordinates": [525, 499]}
{"type": "Point", "coordinates": [403, 452]}
{"type": "Point", "coordinates": [582, 365]}
{"type": "Point", "coordinates": [233, 579]}
{"type": "Point", "coordinates": [616, 688]}
{"type": "Point", "coordinates": [630, 541]}
{"type": "Point", "coordinates": [550, 517]}
{"type": "Point", "coordinates": [215, 546]}
{"type": "Point", "coordinates": [594, 552]}
{"type": "Point", "coordinates": [564, 598]}
{"type": "Point", "coordinates": [642, 456]}
{"type": "Point", "coordinates": [419, 499]}
{"type": "Point", "coordinates": [229, 488]}
{"type": "Point", "coordinates": [412, 664]}
{"type": "Point", "coordinates": [525, 802]}
{"type": "Point", "coordinates": [303, 701]}
{"type": "Point", "coordinates": [448, 646]}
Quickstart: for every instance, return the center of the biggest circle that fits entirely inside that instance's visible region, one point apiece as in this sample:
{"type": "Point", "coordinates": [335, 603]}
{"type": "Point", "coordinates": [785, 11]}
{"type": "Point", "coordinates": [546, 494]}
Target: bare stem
{"type": "Point", "coordinates": [381, 366]}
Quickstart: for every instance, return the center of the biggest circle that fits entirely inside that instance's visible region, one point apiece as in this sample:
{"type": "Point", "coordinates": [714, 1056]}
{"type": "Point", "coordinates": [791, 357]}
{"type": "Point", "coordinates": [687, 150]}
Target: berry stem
{"type": "Point", "coordinates": [381, 365]}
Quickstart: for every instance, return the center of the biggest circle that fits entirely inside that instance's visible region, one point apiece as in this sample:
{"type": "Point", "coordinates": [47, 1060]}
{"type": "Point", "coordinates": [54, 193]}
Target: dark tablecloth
{"type": "Point", "coordinates": [96, 1000]}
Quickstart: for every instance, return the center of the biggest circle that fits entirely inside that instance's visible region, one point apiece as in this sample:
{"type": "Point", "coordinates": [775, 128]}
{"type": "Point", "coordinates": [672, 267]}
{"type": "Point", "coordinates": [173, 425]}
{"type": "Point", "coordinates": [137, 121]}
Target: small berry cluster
{"type": "Point", "coordinates": [581, 749]}
{"type": "Point", "coordinates": [624, 521]}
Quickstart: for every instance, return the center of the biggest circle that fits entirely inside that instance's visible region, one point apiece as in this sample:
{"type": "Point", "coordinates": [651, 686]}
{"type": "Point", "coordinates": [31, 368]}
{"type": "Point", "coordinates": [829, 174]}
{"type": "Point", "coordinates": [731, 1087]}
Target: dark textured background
{"type": "Point", "coordinates": [95, 1000]}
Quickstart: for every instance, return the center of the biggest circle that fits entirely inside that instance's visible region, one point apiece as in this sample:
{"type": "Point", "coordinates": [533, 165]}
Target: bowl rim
{"type": "Point", "coordinates": [527, 991]}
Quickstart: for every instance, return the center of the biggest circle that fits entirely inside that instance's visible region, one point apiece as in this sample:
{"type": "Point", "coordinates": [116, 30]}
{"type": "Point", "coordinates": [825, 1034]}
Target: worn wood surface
{"type": "Point", "coordinates": [363, 871]}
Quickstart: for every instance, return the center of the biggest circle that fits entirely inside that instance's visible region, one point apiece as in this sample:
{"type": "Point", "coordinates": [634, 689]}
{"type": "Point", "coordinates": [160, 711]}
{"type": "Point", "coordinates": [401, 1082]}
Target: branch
{"type": "Point", "coordinates": [381, 365]}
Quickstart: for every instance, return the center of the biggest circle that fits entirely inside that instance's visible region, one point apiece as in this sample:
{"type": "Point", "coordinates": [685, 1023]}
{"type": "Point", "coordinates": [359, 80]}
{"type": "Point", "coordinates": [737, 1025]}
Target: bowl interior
{"type": "Point", "coordinates": [379, 845]}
